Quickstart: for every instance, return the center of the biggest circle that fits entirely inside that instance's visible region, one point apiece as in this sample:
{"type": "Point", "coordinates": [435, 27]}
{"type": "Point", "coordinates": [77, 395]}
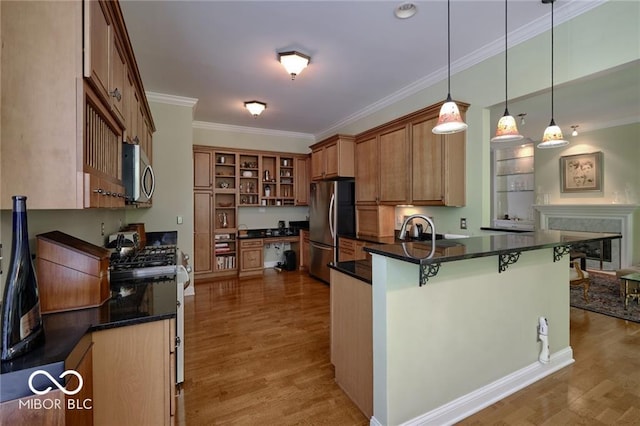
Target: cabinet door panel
{"type": "Point", "coordinates": [202, 169]}
{"type": "Point", "coordinates": [394, 166]}
{"type": "Point", "coordinates": [317, 164]}
{"type": "Point", "coordinates": [98, 39]}
{"type": "Point", "coordinates": [367, 171]}
{"type": "Point", "coordinates": [427, 162]}
{"type": "Point", "coordinates": [202, 231]}
{"type": "Point", "coordinates": [117, 78]}
{"type": "Point", "coordinates": [301, 181]}
{"type": "Point", "coordinates": [331, 160]}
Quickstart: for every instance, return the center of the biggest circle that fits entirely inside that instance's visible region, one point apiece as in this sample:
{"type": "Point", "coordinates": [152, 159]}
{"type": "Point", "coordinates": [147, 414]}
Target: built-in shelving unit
{"type": "Point", "coordinates": [513, 186]}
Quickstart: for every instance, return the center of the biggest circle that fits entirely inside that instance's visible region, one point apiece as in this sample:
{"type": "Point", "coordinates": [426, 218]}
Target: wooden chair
{"type": "Point", "coordinates": [579, 277]}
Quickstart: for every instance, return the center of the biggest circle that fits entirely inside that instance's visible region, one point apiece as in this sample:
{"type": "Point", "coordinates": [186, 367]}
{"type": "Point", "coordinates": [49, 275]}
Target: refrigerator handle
{"type": "Point", "coordinates": [331, 215]}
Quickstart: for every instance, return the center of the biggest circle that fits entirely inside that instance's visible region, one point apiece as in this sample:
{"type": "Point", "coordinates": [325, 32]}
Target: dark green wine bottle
{"type": "Point", "coordinates": [22, 327]}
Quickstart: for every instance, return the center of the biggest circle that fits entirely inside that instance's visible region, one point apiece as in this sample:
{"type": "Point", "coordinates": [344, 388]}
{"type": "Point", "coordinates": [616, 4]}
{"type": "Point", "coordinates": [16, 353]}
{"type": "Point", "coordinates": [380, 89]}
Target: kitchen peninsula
{"type": "Point", "coordinates": [454, 323]}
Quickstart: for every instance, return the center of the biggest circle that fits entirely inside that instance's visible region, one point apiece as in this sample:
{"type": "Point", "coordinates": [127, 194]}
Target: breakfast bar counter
{"type": "Point", "coordinates": [455, 322]}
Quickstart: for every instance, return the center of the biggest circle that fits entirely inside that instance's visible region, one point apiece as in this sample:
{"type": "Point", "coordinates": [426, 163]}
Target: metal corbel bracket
{"type": "Point", "coordinates": [560, 251]}
{"type": "Point", "coordinates": [506, 259]}
{"type": "Point", "coordinates": [427, 271]}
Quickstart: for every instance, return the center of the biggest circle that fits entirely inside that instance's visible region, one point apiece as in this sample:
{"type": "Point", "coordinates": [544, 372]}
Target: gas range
{"type": "Point", "coordinates": [150, 261]}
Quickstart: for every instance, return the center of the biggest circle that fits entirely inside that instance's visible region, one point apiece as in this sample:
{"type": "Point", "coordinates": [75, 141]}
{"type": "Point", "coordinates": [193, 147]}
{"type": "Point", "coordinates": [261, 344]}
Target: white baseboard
{"type": "Point", "coordinates": [479, 399]}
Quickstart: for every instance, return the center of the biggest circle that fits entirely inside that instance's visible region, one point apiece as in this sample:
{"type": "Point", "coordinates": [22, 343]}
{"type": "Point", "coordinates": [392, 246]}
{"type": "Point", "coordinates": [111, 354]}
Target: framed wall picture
{"type": "Point", "coordinates": [581, 172]}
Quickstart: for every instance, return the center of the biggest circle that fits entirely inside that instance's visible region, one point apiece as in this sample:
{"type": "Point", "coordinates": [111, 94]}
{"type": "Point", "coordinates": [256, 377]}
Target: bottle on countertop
{"type": "Point", "coordinates": [22, 326]}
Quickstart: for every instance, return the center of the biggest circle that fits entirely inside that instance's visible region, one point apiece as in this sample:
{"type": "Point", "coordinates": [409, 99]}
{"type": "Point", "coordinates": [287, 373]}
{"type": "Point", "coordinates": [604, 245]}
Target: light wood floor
{"type": "Point", "coordinates": [257, 353]}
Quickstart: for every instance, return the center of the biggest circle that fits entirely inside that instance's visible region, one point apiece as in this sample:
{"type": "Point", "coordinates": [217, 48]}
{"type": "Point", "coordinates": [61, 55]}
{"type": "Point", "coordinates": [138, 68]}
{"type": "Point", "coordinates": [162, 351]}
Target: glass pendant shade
{"type": "Point", "coordinates": [552, 137]}
{"type": "Point", "coordinates": [255, 107]}
{"type": "Point", "coordinates": [294, 62]}
{"type": "Point", "coordinates": [507, 130]}
{"type": "Point", "coordinates": [450, 120]}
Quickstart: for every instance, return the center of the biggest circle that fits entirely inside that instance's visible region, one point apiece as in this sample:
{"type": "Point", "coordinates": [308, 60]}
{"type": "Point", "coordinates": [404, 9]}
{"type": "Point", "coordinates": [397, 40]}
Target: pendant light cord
{"type": "Point", "coordinates": [552, 115]}
{"type": "Point", "coordinates": [506, 96]}
{"type": "Point", "coordinates": [449, 48]}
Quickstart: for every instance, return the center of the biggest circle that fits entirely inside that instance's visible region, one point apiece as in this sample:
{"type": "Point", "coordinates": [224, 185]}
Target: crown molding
{"type": "Point", "coordinates": [251, 130]}
{"type": "Point", "coordinates": [172, 99]}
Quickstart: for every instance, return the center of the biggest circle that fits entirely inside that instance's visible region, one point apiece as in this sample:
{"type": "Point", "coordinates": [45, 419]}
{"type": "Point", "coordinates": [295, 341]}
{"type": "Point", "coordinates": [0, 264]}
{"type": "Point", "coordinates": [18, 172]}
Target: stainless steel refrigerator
{"type": "Point", "coordinates": [331, 214]}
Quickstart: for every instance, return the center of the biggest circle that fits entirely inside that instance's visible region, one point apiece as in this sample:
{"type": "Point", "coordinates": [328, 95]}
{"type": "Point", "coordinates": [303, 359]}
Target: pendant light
{"type": "Point", "coordinates": [449, 120]}
{"type": "Point", "coordinates": [507, 130]}
{"type": "Point", "coordinates": [552, 137]}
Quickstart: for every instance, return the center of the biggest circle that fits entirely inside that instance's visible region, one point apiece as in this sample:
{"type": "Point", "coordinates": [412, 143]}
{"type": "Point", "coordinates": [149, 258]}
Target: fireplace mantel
{"type": "Point", "coordinates": [587, 209]}
{"type": "Point", "coordinates": [623, 213]}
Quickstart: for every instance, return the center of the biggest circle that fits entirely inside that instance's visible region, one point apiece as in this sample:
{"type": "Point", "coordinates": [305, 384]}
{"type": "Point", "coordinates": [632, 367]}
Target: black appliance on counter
{"type": "Point", "coordinates": [332, 212]}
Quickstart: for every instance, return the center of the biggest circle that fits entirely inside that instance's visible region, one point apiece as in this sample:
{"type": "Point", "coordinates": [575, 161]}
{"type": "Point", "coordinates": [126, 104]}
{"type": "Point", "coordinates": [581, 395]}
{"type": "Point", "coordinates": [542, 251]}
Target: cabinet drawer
{"type": "Point", "coordinates": [252, 243]}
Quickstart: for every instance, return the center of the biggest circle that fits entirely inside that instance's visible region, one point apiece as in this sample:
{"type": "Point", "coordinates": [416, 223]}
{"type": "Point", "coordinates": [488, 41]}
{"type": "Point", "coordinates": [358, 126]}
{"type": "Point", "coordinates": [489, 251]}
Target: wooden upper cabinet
{"type": "Point", "coordinates": [367, 174]}
{"type": "Point", "coordinates": [301, 179]}
{"type": "Point", "coordinates": [438, 166]}
{"type": "Point", "coordinates": [202, 170]}
{"type": "Point", "coordinates": [393, 165]}
{"type": "Point", "coordinates": [333, 158]}
{"type": "Point", "coordinates": [118, 81]}
{"type": "Point", "coordinates": [77, 128]}
{"type": "Point", "coordinates": [98, 39]}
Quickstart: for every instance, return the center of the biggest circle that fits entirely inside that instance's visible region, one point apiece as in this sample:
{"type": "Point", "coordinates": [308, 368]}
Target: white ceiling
{"type": "Point", "coordinates": [225, 52]}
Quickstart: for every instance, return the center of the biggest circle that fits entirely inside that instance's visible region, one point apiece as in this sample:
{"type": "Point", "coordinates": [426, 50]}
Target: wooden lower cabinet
{"type": "Point", "coordinates": [132, 374]}
{"type": "Point", "coordinates": [304, 250]}
{"type": "Point", "coordinates": [251, 258]}
{"type": "Point", "coordinates": [352, 338]}
{"type": "Point", "coordinates": [351, 249]}
{"type": "Point", "coordinates": [79, 407]}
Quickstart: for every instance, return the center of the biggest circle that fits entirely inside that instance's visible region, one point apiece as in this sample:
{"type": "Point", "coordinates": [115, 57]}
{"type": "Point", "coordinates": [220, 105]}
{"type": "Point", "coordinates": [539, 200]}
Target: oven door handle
{"type": "Point", "coordinates": [182, 276]}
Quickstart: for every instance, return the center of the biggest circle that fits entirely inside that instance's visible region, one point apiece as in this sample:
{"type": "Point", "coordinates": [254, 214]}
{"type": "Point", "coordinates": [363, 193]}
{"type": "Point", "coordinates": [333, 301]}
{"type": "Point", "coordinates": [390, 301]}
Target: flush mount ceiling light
{"type": "Point", "coordinates": [255, 107]}
{"type": "Point", "coordinates": [449, 120]}
{"type": "Point", "coordinates": [552, 137]}
{"type": "Point", "coordinates": [294, 62]}
{"type": "Point", "coordinates": [575, 131]}
{"type": "Point", "coordinates": [405, 10]}
{"type": "Point", "coordinates": [507, 130]}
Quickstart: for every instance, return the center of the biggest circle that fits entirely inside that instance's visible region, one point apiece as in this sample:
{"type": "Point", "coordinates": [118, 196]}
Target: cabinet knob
{"type": "Point", "coordinates": [98, 191]}
{"type": "Point", "coordinates": [116, 94]}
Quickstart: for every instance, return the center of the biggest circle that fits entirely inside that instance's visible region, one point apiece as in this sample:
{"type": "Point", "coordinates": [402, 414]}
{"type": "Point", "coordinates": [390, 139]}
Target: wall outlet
{"type": "Point", "coordinates": [463, 223]}
{"type": "Point", "coordinates": [398, 220]}
{"type": "Point", "coordinates": [179, 220]}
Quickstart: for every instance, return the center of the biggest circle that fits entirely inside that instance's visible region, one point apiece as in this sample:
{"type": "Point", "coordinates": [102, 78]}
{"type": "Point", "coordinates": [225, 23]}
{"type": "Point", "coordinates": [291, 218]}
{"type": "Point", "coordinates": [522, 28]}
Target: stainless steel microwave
{"type": "Point", "coordinates": [137, 174]}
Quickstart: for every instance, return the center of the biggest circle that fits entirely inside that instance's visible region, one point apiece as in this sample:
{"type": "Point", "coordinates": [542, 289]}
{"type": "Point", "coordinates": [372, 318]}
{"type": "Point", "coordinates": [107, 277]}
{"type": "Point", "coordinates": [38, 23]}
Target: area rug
{"type": "Point", "coordinates": [604, 298]}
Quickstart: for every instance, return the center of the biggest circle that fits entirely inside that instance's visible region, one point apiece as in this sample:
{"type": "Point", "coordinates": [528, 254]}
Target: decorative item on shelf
{"type": "Point", "coordinates": [221, 159]}
{"type": "Point", "coordinates": [449, 120]}
{"type": "Point", "coordinates": [552, 137]}
{"type": "Point", "coordinates": [225, 204]}
{"type": "Point", "coordinates": [22, 327]}
{"type": "Point", "coordinates": [507, 130]}
{"type": "Point", "coordinates": [267, 176]}
{"type": "Point", "coordinates": [250, 187]}
{"type": "Point", "coordinates": [223, 220]}
{"type": "Point", "coordinates": [241, 187]}
{"type": "Point", "coordinates": [255, 107]}
{"type": "Point", "coordinates": [294, 62]}
{"type": "Point", "coordinates": [247, 173]}
{"type": "Point", "coordinates": [224, 185]}
{"type": "Point", "coordinates": [267, 191]}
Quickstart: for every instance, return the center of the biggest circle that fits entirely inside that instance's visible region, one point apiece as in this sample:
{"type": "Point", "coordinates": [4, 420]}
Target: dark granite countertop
{"type": "Point", "coordinates": [359, 269]}
{"type": "Point", "coordinates": [144, 300]}
{"type": "Point", "coordinates": [481, 246]}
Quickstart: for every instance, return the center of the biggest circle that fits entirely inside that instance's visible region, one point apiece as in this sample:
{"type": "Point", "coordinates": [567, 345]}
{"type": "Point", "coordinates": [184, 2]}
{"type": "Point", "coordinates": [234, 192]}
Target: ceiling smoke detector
{"type": "Point", "coordinates": [405, 10]}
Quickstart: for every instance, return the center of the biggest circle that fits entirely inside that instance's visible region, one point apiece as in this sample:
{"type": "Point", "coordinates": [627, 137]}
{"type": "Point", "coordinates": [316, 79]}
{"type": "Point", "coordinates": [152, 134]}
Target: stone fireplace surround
{"type": "Point", "coordinates": [610, 218]}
